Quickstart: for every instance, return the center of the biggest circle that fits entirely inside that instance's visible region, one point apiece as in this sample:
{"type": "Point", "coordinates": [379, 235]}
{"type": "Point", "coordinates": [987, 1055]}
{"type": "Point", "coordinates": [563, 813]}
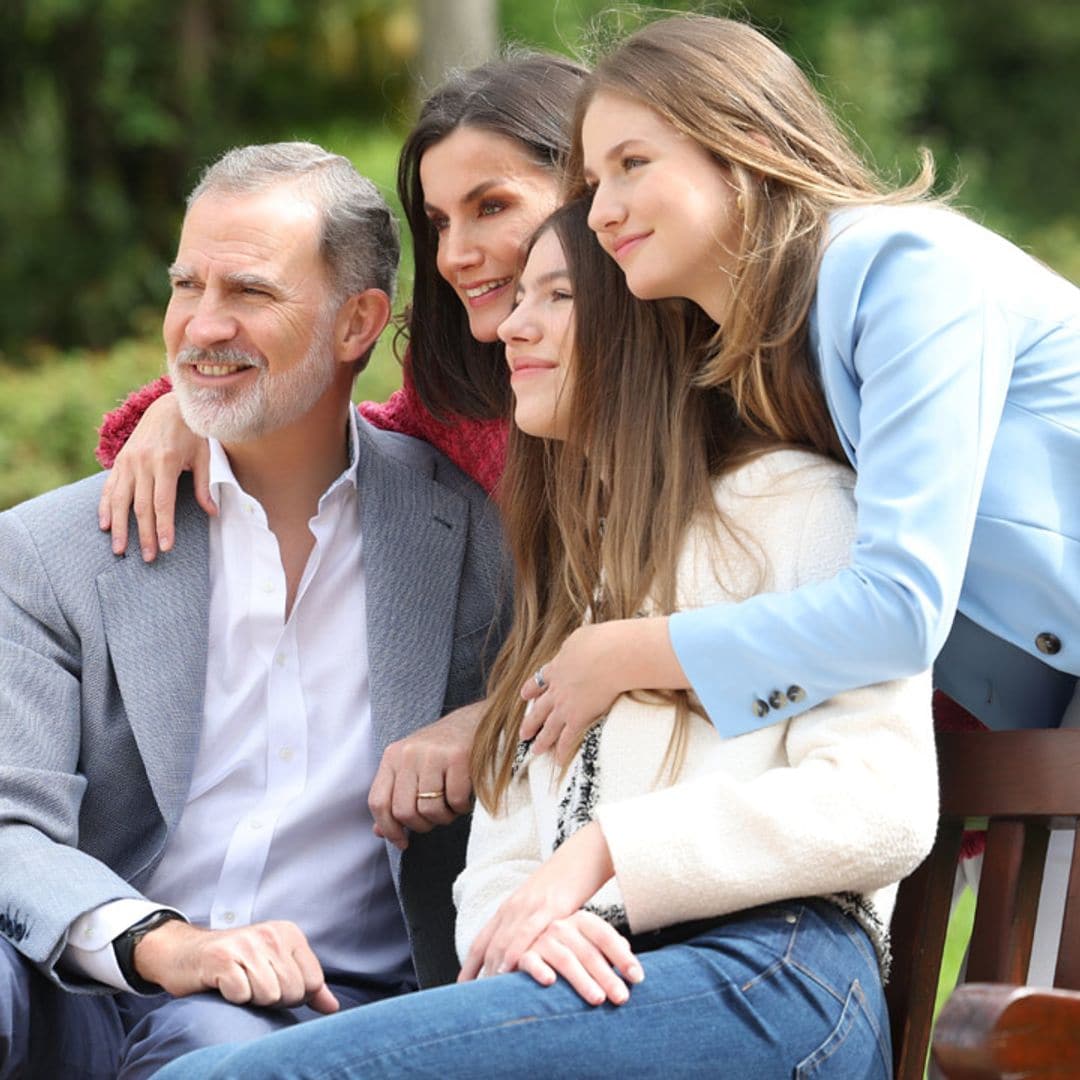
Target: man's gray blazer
{"type": "Point", "coordinates": [102, 676]}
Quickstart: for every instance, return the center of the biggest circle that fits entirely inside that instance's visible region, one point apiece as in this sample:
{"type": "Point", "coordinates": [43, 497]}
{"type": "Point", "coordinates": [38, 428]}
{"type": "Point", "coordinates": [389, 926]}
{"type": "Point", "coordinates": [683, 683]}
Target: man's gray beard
{"type": "Point", "coordinates": [242, 414]}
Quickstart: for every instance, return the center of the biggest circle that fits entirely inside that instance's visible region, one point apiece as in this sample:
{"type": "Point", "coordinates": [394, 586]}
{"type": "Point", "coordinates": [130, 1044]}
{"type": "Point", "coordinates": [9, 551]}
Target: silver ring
{"type": "Point", "coordinates": [539, 679]}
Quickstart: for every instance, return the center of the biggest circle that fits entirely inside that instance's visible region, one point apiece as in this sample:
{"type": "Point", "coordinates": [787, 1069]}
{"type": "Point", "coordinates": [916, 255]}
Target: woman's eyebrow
{"type": "Point", "coordinates": [474, 193]}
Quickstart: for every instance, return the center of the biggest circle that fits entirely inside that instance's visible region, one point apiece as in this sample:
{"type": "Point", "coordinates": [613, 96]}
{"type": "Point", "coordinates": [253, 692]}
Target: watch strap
{"type": "Point", "coordinates": [124, 949]}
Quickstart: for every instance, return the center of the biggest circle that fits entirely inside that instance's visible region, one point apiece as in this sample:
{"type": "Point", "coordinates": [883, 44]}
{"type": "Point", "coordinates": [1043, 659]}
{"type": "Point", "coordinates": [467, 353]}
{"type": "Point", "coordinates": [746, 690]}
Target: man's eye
{"type": "Point", "coordinates": [491, 207]}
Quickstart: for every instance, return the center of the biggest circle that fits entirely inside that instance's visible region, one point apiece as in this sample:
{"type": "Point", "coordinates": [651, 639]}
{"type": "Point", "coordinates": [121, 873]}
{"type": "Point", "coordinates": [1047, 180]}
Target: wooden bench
{"type": "Point", "coordinates": [1022, 783]}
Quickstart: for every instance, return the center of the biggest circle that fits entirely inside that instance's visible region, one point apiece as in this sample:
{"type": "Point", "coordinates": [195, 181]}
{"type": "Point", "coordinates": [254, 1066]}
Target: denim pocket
{"type": "Point", "coordinates": [852, 1050]}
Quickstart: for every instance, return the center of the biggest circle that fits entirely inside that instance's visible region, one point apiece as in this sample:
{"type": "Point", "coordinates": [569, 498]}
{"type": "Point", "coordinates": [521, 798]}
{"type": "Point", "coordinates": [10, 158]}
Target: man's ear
{"type": "Point", "coordinates": [360, 321]}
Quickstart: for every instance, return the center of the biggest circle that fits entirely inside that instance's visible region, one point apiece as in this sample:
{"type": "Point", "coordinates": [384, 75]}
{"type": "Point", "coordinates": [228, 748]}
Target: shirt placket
{"type": "Point", "coordinates": [286, 744]}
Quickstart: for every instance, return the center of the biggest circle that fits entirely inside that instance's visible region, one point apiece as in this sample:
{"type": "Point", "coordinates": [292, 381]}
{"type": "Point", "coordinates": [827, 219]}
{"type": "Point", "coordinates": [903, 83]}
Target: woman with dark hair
{"type": "Point", "coordinates": [512, 117]}
{"type": "Point", "coordinates": [670, 902]}
{"type": "Point", "coordinates": [477, 175]}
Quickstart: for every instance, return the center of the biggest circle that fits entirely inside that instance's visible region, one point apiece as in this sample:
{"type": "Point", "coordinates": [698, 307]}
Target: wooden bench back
{"type": "Point", "coordinates": [1024, 783]}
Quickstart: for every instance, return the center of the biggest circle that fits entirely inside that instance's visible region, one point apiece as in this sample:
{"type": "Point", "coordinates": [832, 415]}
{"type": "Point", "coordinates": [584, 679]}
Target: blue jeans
{"type": "Point", "coordinates": [787, 990]}
{"type": "Point", "coordinates": [46, 1031]}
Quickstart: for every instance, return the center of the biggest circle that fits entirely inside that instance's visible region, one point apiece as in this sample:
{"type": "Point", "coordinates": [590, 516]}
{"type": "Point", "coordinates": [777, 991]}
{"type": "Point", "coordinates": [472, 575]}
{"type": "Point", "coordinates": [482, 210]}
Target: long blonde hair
{"type": "Point", "coordinates": [596, 523]}
{"type": "Point", "coordinates": [745, 101]}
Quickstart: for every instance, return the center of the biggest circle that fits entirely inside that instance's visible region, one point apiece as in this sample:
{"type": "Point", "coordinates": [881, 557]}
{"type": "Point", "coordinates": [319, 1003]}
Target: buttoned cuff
{"type": "Point", "coordinates": [89, 950]}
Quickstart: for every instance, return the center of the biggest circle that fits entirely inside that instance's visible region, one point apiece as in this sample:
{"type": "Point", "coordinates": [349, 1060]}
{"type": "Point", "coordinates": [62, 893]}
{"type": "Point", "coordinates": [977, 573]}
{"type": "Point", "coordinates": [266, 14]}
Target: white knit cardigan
{"type": "Point", "coordinates": [839, 802]}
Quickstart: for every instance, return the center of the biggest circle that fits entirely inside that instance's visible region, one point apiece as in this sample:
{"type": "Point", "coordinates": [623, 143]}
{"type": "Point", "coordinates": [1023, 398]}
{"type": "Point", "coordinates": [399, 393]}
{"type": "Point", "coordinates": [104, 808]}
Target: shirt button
{"type": "Point", "coordinates": [88, 932]}
{"type": "Point", "coordinates": [285, 753]}
{"type": "Point", "coordinates": [789, 918]}
{"type": "Point", "coordinates": [280, 659]}
{"type": "Point", "coordinates": [256, 823]}
{"type": "Point", "coordinates": [268, 586]}
{"type": "Point", "coordinates": [777, 700]}
{"type": "Point", "coordinates": [1048, 644]}
{"type": "Point", "coordinates": [229, 916]}
{"type": "Point", "coordinates": [760, 708]}
{"type": "Point", "coordinates": [795, 694]}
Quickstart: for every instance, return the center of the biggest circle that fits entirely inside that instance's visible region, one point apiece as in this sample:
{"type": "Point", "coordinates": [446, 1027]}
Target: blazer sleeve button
{"type": "Point", "coordinates": [777, 700]}
{"type": "Point", "coordinates": [1048, 644]}
{"type": "Point", "coordinates": [760, 708]}
{"type": "Point", "coordinates": [795, 694]}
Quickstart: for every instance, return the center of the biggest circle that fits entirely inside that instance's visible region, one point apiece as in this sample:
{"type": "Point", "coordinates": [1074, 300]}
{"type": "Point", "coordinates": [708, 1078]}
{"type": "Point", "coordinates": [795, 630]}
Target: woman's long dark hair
{"type": "Point", "coordinates": [528, 97]}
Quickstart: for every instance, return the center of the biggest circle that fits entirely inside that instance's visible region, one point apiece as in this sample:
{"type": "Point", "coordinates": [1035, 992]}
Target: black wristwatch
{"type": "Point", "coordinates": [124, 949]}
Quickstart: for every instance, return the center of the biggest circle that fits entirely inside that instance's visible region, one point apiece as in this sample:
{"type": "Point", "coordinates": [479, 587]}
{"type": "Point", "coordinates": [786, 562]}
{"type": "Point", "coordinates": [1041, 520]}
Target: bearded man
{"type": "Point", "coordinates": [186, 746]}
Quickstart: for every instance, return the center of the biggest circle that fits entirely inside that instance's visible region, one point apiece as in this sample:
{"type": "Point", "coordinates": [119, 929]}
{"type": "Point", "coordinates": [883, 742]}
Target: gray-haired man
{"type": "Point", "coordinates": [196, 737]}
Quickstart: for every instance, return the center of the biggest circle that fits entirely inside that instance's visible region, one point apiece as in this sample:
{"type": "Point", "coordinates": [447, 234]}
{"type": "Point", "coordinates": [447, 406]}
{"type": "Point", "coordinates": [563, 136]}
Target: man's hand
{"type": "Point", "coordinates": [145, 476]}
{"type": "Point", "coordinates": [432, 762]}
{"type": "Point", "coordinates": [268, 963]}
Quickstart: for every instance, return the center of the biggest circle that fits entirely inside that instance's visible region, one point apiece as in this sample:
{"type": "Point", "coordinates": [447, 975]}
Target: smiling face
{"type": "Point", "coordinates": [539, 339]}
{"type": "Point", "coordinates": [662, 206]}
{"type": "Point", "coordinates": [485, 196]}
{"type": "Point", "coordinates": [248, 329]}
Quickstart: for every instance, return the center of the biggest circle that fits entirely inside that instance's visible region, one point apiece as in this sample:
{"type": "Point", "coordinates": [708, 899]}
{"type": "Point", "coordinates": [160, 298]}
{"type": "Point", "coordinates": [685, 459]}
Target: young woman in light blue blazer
{"type": "Point", "coordinates": [940, 360]}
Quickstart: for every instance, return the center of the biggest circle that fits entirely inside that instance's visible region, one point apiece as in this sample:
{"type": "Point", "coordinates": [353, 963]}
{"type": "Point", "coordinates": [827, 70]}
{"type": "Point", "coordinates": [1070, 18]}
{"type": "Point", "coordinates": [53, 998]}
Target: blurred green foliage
{"type": "Point", "coordinates": [108, 109]}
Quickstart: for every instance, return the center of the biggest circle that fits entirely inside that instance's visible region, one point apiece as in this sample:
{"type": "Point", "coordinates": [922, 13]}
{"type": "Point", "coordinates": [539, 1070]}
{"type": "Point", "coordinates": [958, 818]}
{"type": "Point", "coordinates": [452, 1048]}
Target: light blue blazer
{"type": "Point", "coordinates": [950, 361]}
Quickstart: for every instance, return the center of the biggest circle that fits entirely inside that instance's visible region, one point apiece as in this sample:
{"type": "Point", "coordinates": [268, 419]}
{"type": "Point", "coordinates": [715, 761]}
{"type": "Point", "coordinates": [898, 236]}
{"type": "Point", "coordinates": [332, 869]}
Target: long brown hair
{"type": "Point", "coordinates": [595, 523]}
{"type": "Point", "coordinates": [745, 101]}
{"type": "Point", "coordinates": [524, 96]}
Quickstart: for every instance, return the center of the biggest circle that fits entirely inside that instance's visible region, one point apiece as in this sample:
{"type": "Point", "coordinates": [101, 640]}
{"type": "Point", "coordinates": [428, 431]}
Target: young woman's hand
{"type": "Point", "coordinates": [550, 895]}
{"type": "Point", "coordinates": [145, 476]}
{"type": "Point", "coordinates": [589, 954]}
{"type": "Point", "coordinates": [593, 667]}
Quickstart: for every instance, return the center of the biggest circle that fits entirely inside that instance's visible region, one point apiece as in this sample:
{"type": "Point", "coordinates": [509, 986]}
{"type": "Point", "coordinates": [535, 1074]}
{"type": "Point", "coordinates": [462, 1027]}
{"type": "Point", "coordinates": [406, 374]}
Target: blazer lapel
{"type": "Point", "coordinates": [156, 618]}
{"type": "Point", "coordinates": [414, 531]}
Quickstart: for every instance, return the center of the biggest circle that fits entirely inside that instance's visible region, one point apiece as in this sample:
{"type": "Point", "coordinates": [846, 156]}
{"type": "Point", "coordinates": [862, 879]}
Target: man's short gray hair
{"type": "Point", "coordinates": [359, 243]}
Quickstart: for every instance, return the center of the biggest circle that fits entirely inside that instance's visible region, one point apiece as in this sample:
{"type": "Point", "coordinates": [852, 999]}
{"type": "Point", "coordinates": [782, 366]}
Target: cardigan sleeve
{"type": "Point", "coordinates": [916, 358]}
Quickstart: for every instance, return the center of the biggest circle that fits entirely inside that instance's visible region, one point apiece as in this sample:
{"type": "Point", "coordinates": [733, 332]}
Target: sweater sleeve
{"type": "Point", "coordinates": [117, 426]}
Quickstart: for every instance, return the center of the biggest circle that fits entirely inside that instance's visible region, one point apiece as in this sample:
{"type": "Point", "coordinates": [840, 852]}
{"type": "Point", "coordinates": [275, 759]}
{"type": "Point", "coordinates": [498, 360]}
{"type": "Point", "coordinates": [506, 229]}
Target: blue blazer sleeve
{"type": "Point", "coordinates": [916, 353]}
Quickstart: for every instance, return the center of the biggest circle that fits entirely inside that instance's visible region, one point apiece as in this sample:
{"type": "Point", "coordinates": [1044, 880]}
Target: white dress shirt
{"type": "Point", "coordinates": [276, 824]}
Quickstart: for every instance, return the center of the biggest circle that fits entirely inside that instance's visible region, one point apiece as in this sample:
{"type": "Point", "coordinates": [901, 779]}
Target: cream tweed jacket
{"type": "Point", "coordinates": [838, 802]}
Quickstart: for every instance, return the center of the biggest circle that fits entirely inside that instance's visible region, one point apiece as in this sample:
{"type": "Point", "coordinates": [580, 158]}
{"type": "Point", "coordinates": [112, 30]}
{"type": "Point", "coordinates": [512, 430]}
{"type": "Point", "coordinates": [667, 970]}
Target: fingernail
{"type": "Point", "coordinates": [528, 706]}
{"type": "Point", "coordinates": [620, 995]}
{"type": "Point", "coordinates": [635, 973]}
{"type": "Point", "coordinates": [502, 969]}
{"type": "Point", "coordinates": [164, 543]}
{"type": "Point", "coordinates": [147, 555]}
